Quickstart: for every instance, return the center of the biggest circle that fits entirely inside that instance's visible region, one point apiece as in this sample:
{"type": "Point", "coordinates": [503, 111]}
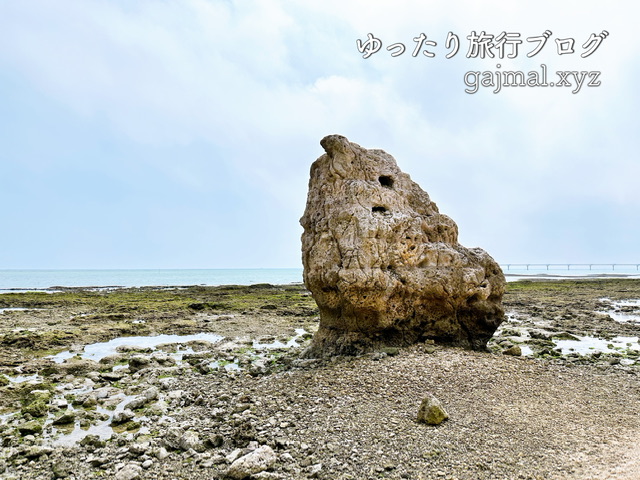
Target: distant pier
{"type": "Point", "coordinates": [569, 266]}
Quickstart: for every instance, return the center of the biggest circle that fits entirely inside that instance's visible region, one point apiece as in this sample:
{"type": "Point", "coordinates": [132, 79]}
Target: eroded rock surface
{"type": "Point", "coordinates": [383, 265]}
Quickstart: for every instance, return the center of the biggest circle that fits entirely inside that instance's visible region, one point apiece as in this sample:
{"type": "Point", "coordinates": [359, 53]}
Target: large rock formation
{"type": "Point", "coordinates": [383, 265]}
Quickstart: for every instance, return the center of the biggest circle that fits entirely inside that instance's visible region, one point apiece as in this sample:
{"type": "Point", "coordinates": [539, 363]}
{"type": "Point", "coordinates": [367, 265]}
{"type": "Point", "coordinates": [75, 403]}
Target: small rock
{"type": "Point", "coordinates": [36, 409]}
{"type": "Point", "coordinates": [97, 461]}
{"type": "Point", "coordinates": [431, 411]}
{"type": "Point", "coordinates": [122, 417]}
{"type": "Point", "coordinates": [30, 428]}
{"type": "Point", "coordinates": [66, 417]}
{"type": "Point", "coordinates": [234, 455]}
{"type": "Point", "coordinates": [139, 449]}
{"type": "Point", "coordinates": [112, 376]}
{"type": "Point", "coordinates": [514, 351]}
{"type": "Point", "coordinates": [158, 408]}
{"type": "Point", "coordinates": [44, 395]}
{"type": "Point", "coordinates": [90, 401]}
{"type": "Point", "coordinates": [129, 472]}
{"type": "Point", "coordinates": [190, 439]}
{"type": "Point", "coordinates": [167, 382]}
{"type": "Point", "coordinates": [136, 403]}
{"type": "Point", "coordinates": [138, 362]}
{"type": "Point", "coordinates": [257, 461]}
{"type": "Point", "coordinates": [93, 441]}
{"type": "Point", "coordinates": [314, 470]}
{"type": "Point", "coordinates": [172, 438]}
{"type": "Point", "coordinates": [60, 403]}
{"type": "Point", "coordinates": [164, 360]}
{"type": "Point", "coordinates": [151, 394]}
{"type": "Point", "coordinates": [175, 394]}
{"type": "Point", "coordinates": [214, 441]}
{"type": "Point", "coordinates": [133, 348]}
{"type": "Point", "coordinates": [37, 451]}
{"type": "Point", "coordinates": [77, 366]}
{"type": "Point", "coordinates": [268, 476]}
{"type": "Point", "coordinates": [60, 470]}
{"type": "Point", "coordinates": [391, 351]}
{"type": "Point", "coordinates": [161, 453]}
{"type": "Point", "coordinates": [147, 464]}
{"type": "Point", "coordinates": [565, 336]}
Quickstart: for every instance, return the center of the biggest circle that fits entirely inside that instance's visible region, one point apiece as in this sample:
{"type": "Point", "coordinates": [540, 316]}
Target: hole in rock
{"type": "Point", "coordinates": [385, 181]}
{"type": "Point", "coordinates": [378, 209]}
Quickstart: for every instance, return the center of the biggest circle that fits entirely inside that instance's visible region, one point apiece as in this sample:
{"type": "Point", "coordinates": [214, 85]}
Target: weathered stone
{"type": "Point", "coordinates": [158, 408]}
{"type": "Point", "coordinates": [129, 472]}
{"type": "Point", "coordinates": [255, 462]}
{"type": "Point", "coordinates": [30, 428]}
{"type": "Point", "coordinates": [191, 440]}
{"type": "Point", "coordinates": [112, 376]}
{"type": "Point", "coordinates": [384, 266]}
{"type": "Point", "coordinates": [36, 409]}
{"type": "Point", "coordinates": [172, 438]}
{"type": "Point", "coordinates": [122, 417]}
{"type": "Point", "coordinates": [97, 461]}
{"type": "Point", "coordinates": [161, 453]}
{"type": "Point", "coordinates": [93, 441]}
{"type": "Point", "coordinates": [514, 351]}
{"type": "Point", "coordinates": [77, 366]}
{"type": "Point", "coordinates": [65, 418]}
{"type": "Point", "coordinates": [138, 362]}
{"type": "Point", "coordinates": [37, 451]}
{"type": "Point", "coordinates": [431, 411]}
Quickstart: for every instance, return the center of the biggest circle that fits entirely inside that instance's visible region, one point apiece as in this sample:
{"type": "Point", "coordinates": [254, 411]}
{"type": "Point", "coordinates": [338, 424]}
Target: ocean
{"type": "Point", "coordinates": [20, 280]}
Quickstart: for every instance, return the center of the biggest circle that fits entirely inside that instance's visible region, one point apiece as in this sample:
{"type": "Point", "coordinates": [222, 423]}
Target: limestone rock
{"type": "Point", "coordinates": [431, 411]}
{"type": "Point", "coordinates": [384, 265]}
{"type": "Point", "coordinates": [122, 417]}
{"type": "Point", "coordinates": [130, 471]}
{"type": "Point", "coordinates": [257, 461]}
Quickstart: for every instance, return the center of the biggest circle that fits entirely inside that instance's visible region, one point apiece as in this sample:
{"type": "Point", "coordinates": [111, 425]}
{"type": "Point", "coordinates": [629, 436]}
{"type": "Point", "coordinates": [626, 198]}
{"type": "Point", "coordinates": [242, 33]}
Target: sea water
{"type": "Point", "coordinates": [17, 280]}
{"type": "Point", "coordinates": [20, 280]}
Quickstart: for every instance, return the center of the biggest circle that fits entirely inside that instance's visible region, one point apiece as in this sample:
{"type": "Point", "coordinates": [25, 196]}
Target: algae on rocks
{"type": "Point", "coordinates": [384, 265]}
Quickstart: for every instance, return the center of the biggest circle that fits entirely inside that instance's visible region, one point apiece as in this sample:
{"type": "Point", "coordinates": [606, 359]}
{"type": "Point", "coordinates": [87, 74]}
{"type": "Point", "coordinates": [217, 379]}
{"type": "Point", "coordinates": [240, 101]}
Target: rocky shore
{"type": "Point", "coordinates": [211, 384]}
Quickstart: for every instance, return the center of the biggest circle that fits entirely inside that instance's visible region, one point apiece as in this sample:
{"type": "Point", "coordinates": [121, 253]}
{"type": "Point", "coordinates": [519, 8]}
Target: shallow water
{"type": "Point", "coordinates": [23, 378]}
{"type": "Point", "coordinates": [97, 351]}
{"type": "Point", "coordinates": [293, 342]}
{"type": "Point", "coordinates": [623, 311]}
{"type": "Point", "coordinates": [103, 429]}
{"type": "Point", "coordinates": [526, 350]}
{"type": "Point", "coordinates": [587, 345]}
{"type": "Point", "coordinates": [6, 417]}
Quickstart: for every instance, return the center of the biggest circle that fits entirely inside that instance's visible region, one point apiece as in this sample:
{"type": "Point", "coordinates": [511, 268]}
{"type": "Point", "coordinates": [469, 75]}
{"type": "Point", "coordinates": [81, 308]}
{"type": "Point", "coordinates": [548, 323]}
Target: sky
{"type": "Point", "coordinates": [180, 133]}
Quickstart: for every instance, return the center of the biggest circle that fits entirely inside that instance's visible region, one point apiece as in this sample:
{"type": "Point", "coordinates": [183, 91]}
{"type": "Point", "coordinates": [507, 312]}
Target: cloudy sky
{"type": "Point", "coordinates": [179, 133]}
